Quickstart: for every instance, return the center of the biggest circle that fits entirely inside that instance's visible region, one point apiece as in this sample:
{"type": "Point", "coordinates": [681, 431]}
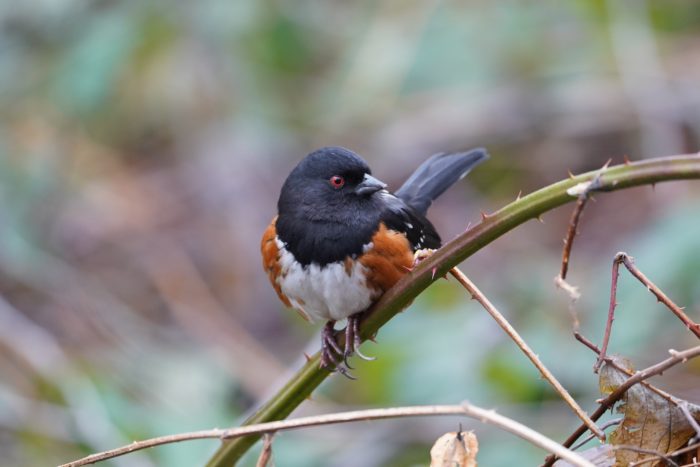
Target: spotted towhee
{"type": "Point", "coordinates": [340, 239]}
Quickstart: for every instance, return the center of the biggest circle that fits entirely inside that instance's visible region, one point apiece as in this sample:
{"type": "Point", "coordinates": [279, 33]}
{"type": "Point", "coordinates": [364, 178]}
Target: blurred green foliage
{"type": "Point", "coordinates": [142, 145]}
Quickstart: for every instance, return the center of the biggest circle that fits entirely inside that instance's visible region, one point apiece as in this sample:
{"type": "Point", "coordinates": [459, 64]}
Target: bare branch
{"type": "Point", "coordinates": [266, 453]}
{"type": "Point", "coordinates": [573, 230]}
{"type": "Point", "coordinates": [628, 261]}
{"type": "Point", "coordinates": [506, 326]}
{"type": "Point", "coordinates": [611, 313]}
{"type": "Point", "coordinates": [675, 358]}
{"type": "Point", "coordinates": [677, 452]}
{"type": "Point", "coordinates": [472, 411]}
{"type": "Point", "coordinates": [657, 455]}
{"type": "Point", "coordinates": [583, 191]}
{"type": "Point", "coordinates": [525, 432]}
{"type": "Point", "coordinates": [604, 426]}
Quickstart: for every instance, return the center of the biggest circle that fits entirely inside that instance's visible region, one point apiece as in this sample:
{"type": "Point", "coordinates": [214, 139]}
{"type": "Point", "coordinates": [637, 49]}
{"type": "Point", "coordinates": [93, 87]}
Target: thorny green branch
{"type": "Point", "coordinates": [627, 175]}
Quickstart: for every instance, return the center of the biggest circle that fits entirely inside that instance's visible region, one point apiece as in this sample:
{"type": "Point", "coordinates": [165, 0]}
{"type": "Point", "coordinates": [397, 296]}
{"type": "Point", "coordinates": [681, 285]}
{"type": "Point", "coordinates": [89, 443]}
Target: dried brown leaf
{"type": "Point", "coordinates": [455, 449]}
{"type": "Point", "coordinates": [651, 421]}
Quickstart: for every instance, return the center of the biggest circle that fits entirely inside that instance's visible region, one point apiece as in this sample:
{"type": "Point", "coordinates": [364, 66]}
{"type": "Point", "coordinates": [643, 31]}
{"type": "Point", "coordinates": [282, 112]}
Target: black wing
{"type": "Point", "coordinates": [403, 218]}
{"type": "Point", "coordinates": [436, 175]}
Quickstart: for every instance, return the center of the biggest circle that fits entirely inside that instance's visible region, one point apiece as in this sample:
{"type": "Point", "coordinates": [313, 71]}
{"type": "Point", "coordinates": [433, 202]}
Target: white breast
{"type": "Point", "coordinates": [331, 292]}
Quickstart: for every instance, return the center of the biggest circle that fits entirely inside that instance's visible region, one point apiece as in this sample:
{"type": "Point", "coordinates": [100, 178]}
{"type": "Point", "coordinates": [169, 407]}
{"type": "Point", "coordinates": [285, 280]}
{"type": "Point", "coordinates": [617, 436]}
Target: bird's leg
{"type": "Point", "coordinates": [352, 338]}
{"type": "Point", "coordinates": [349, 342]}
{"type": "Point", "coordinates": [330, 350]}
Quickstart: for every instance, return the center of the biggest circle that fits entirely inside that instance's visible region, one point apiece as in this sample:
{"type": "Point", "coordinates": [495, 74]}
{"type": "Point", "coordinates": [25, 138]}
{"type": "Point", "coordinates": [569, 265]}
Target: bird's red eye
{"type": "Point", "coordinates": [337, 181]}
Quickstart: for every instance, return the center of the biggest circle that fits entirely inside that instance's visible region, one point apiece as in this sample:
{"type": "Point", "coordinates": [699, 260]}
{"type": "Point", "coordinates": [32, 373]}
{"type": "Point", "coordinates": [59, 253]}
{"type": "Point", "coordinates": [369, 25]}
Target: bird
{"type": "Point", "coordinates": [340, 239]}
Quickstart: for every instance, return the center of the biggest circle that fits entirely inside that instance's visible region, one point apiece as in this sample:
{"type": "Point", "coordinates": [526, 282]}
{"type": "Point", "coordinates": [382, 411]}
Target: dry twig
{"type": "Point", "coordinates": [657, 454]}
{"type": "Point", "coordinates": [266, 453]}
{"type": "Point", "coordinates": [675, 358]}
{"type": "Point", "coordinates": [472, 411]}
{"type": "Point", "coordinates": [675, 453]}
{"type": "Point", "coordinates": [583, 191]}
{"type": "Point", "coordinates": [628, 372]}
{"type": "Point", "coordinates": [628, 261]}
{"type": "Point", "coordinates": [506, 326]}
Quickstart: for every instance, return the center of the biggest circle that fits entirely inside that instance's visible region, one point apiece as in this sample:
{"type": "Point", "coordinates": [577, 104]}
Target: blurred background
{"type": "Point", "coordinates": [142, 147]}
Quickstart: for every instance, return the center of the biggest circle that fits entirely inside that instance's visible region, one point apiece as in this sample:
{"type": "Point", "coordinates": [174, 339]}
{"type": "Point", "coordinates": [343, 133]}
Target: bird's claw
{"type": "Point", "coordinates": [335, 358]}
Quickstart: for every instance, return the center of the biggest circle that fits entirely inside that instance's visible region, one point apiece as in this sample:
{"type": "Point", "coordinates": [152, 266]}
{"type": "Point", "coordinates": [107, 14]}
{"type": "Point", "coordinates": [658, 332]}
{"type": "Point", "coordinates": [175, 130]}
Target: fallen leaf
{"type": "Point", "coordinates": [455, 449]}
{"type": "Point", "coordinates": [651, 421]}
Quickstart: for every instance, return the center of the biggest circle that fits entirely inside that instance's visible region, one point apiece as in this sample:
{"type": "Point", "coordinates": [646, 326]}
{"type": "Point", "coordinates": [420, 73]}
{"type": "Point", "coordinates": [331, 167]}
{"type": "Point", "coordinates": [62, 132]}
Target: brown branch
{"type": "Point", "coordinates": [680, 403]}
{"type": "Point", "coordinates": [604, 426]}
{"type": "Point", "coordinates": [513, 334]}
{"type": "Point", "coordinates": [628, 261]}
{"type": "Point", "coordinates": [583, 190]}
{"type": "Point", "coordinates": [683, 405]}
{"type": "Point", "coordinates": [611, 313]}
{"type": "Point", "coordinates": [675, 453]}
{"type": "Point", "coordinates": [657, 455]}
{"type": "Point", "coordinates": [663, 394]}
{"type": "Point", "coordinates": [472, 411]}
{"type": "Point", "coordinates": [266, 453]}
{"type": "Point", "coordinates": [524, 432]}
{"type": "Point", "coordinates": [569, 240]}
{"type": "Point", "coordinates": [639, 376]}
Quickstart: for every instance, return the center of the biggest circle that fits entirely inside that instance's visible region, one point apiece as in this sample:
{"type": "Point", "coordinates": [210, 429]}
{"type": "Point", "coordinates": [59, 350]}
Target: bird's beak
{"type": "Point", "coordinates": [369, 185]}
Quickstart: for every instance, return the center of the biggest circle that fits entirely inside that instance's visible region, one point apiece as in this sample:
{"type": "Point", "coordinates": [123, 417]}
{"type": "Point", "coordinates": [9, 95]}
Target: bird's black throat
{"type": "Point", "coordinates": [323, 241]}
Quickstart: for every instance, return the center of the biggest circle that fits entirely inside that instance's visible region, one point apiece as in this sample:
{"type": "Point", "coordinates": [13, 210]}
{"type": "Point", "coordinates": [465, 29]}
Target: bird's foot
{"type": "Point", "coordinates": [331, 352]}
{"type": "Point", "coordinates": [353, 339]}
{"type": "Point", "coordinates": [332, 355]}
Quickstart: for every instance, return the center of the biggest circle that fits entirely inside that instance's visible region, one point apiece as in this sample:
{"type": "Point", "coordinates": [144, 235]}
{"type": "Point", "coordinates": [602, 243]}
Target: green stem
{"type": "Point", "coordinates": [300, 386]}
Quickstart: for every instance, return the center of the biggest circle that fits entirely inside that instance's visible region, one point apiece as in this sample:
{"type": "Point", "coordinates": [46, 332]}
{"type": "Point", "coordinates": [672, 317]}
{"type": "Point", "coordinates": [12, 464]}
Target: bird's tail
{"type": "Point", "coordinates": [436, 175]}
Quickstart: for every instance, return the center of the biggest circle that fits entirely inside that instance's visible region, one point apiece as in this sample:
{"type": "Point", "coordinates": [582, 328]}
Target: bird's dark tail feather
{"type": "Point", "coordinates": [436, 175]}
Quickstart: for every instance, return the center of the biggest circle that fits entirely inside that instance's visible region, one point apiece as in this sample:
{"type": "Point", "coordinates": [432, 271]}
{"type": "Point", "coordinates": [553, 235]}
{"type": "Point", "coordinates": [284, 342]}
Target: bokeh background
{"type": "Point", "coordinates": [142, 146]}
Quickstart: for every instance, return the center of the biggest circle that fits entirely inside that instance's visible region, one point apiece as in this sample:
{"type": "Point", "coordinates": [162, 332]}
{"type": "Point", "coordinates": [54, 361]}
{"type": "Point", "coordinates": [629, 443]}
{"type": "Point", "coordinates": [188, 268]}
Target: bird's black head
{"type": "Point", "coordinates": [327, 185]}
{"type": "Point", "coordinates": [326, 207]}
